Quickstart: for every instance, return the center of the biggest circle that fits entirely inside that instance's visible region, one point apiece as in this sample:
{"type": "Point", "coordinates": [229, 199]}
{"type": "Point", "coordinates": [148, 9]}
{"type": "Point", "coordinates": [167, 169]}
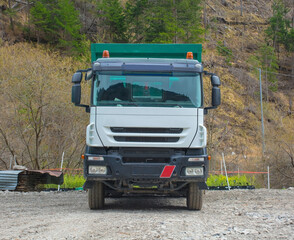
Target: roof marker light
{"type": "Point", "coordinates": [105, 54]}
{"type": "Point", "coordinates": [189, 55]}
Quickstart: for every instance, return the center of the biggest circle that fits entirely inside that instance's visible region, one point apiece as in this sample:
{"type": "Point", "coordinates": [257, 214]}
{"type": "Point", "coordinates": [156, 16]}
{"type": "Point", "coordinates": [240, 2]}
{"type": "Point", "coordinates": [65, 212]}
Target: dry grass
{"type": "Point", "coordinates": [38, 121]}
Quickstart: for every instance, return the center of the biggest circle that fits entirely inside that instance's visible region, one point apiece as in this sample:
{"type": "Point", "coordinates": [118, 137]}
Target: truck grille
{"type": "Point", "coordinates": [145, 139]}
{"type": "Point", "coordinates": [145, 135]}
{"type": "Point", "coordinates": [146, 130]}
{"type": "Point", "coordinates": [146, 160]}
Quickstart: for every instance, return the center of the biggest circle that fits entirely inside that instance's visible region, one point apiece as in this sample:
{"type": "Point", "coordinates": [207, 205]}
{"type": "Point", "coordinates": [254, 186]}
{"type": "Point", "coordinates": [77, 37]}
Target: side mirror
{"type": "Point", "coordinates": [77, 77]}
{"type": "Point", "coordinates": [215, 97]}
{"type": "Point", "coordinates": [88, 75]}
{"type": "Point", "coordinates": [215, 94]}
{"type": "Point", "coordinates": [215, 81]}
{"type": "Point", "coordinates": [76, 89]}
{"type": "Point", "coordinates": [76, 94]}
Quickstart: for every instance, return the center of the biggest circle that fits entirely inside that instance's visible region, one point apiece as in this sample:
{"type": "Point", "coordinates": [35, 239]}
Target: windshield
{"type": "Point", "coordinates": [147, 90]}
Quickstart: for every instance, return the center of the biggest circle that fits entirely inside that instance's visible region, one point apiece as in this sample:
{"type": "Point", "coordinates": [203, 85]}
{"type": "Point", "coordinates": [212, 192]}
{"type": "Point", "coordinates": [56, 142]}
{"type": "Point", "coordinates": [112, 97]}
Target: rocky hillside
{"type": "Point", "coordinates": [236, 127]}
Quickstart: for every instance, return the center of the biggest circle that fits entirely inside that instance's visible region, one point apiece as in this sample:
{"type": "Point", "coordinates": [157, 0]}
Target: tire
{"type": "Point", "coordinates": [194, 197]}
{"type": "Point", "coordinates": [96, 196]}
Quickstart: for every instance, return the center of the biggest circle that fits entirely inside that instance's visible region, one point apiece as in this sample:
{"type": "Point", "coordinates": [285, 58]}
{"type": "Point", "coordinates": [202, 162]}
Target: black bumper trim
{"type": "Point", "coordinates": [118, 170]}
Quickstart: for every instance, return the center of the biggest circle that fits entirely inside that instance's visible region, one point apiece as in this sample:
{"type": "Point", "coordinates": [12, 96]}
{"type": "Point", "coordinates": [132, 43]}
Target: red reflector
{"type": "Point", "coordinates": [167, 171]}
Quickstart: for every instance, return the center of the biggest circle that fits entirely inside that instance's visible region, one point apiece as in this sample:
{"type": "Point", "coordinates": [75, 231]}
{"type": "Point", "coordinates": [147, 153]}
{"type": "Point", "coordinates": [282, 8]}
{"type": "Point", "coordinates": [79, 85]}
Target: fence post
{"type": "Point", "coordinates": [268, 178]}
{"type": "Point", "coordinates": [226, 171]}
{"type": "Point", "coordinates": [221, 162]}
{"type": "Point", "coordinates": [10, 163]}
{"type": "Point", "coordinates": [61, 167]}
{"type": "Point", "coordinates": [261, 109]}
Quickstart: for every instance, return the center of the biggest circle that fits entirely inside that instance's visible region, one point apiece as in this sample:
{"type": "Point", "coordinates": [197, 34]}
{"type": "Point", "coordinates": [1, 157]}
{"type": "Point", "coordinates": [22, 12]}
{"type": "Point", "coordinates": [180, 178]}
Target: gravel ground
{"type": "Point", "coordinates": [235, 214]}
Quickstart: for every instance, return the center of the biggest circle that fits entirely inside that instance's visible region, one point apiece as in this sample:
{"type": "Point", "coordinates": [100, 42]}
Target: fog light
{"type": "Point", "coordinates": [196, 159]}
{"type": "Point", "coordinates": [102, 170]}
{"type": "Point", "coordinates": [194, 171]}
{"type": "Point", "coordinates": [99, 158]}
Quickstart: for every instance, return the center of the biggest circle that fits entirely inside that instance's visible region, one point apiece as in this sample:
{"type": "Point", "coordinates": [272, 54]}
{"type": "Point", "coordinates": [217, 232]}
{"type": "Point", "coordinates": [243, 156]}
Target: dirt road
{"type": "Point", "coordinates": [236, 214]}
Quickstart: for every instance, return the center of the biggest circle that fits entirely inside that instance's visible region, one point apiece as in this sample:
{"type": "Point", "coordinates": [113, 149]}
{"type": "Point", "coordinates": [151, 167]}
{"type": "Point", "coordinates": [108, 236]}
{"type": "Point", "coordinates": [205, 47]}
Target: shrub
{"type": "Point", "coordinates": [237, 180]}
{"type": "Point", "coordinates": [70, 181]}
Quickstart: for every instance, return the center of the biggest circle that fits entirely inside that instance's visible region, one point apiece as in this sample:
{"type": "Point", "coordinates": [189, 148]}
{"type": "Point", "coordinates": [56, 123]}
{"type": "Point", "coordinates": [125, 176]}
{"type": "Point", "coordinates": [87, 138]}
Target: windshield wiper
{"type": "Point", "coordinates": [127, 104]}
{"type": "Point", "coordinates": [173, 105]}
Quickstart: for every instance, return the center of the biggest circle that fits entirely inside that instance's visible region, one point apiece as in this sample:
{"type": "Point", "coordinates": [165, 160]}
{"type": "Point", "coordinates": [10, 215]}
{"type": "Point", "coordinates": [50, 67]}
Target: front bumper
{"type": "Point", "coordinates": [117, 169]}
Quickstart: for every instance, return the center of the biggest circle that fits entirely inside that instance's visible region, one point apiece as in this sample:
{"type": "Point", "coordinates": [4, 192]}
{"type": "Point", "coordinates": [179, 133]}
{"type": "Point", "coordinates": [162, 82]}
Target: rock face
{"type": "Point", "coordinates": [235, 214]}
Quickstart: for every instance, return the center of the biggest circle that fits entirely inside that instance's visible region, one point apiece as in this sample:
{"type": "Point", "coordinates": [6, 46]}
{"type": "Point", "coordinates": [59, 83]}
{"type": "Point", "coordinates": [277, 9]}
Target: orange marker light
{"type": "Point", "coordinates": [189, 55]}
{"type": "Point", "coordinates": [105, 54]}
{"type": "Point", "coordinates": [209, 157]}
{"type": "Point", "coordinates": [83, 156]}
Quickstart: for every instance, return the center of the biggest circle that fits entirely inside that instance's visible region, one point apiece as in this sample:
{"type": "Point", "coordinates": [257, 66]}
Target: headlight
{"type": "Point", "coordinates": [102, 170]}
{"type": "Point", "coordinates": [194, 171]}
{"type": "Point", "coordinates": [196, 159]}
{"type": "Point", "coordinates": [98, 158]}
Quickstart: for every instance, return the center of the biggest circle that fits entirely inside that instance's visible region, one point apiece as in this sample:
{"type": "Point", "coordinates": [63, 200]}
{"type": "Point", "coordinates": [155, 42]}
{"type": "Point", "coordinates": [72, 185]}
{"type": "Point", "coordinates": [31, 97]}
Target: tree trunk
{"type": "Point", "coordinates": [176, 19]}
{"type": "Point", "coordinates": [10, 18]}
{"type": "Point", "coordinates": [291, 93]}
{"type": "Point", "coordinates": [290, 104]}
{"type": "Point", "coordinates": [266, 85]}
{"type": "Point", "coordinates": [29, 20]}
{"type": "Point", "coordinates": [292, 66]}
{"type": "Point", "coordinates": [204, 19]}
{"type": "Point", "coordinates": [266, 80]}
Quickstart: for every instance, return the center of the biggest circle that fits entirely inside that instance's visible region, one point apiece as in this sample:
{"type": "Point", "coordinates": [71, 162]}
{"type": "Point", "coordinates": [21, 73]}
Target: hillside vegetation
{"type": "Point", "coordinates": [44, 42]}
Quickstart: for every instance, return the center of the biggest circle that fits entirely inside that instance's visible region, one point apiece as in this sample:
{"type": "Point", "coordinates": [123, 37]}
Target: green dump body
{"type": "Point", "coordinates": [133, 50]}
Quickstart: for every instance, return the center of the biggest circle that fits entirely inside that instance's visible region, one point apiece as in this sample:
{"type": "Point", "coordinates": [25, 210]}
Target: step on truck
{"type": "Point", "coordinates": [146, 133]}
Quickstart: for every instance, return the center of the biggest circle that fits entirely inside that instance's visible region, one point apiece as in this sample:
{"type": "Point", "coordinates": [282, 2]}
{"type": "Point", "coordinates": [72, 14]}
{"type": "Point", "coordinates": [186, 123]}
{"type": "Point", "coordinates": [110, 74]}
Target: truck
{"type": "Point", "coordinates": [146, 133]}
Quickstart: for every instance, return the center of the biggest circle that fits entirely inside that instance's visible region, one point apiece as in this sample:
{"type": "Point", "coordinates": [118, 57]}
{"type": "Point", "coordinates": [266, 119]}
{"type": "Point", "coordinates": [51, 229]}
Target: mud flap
{"type": "Point", "coordinates": [88, 185]}
{"type": "Point", "coordinates": [202, 185]}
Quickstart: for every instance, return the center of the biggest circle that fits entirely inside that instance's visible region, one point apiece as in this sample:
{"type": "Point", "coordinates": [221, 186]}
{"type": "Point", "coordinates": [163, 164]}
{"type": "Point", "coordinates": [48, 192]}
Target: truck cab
{"type": "Point", "coordinates": [146, 133]}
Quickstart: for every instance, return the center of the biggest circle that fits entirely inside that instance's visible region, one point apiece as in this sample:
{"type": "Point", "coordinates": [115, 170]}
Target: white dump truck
{"type": "Point", "coordinates": [146, 133]}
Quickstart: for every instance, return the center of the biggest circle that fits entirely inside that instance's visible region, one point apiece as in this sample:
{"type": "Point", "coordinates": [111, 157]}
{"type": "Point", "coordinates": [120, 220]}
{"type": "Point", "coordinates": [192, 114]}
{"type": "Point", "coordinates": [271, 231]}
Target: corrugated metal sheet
{"type": "Point", "coordinates": [9, 179]}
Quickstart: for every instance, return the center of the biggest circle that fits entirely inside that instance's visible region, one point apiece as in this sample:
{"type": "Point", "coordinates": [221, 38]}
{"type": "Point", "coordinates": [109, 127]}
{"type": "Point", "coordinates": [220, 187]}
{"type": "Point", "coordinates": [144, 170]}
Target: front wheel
{"type": "Point", "coordinates": [194, 197]}
{"type": "Point", "coordinates": [96, 196]}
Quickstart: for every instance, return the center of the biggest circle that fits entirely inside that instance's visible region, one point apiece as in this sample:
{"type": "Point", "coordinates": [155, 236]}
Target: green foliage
{"type": "Point", "coordinates": [135, 19]}
{"type": "Point", "coordinates": [70, 181]}
{"type": "Point", "coordinates": [159, 26]}
{"type": "Point", "coordinates": [225, 52]}
{"type": "Point", "coordinates": [216, 181]}
{"type": "Point", "coordinates": [57, 22]}
{"type": "Point", "coordinates": [279, 30]}
{"type": "Point", "coordinates": [112, 18]}
{"type": "Point", "coordinates": [141, 21]}
{"type": "Point", "coordinates": [42, 20]}
{"type": "Point", "coordinates": [289, 44]}
{"type": "Point", "coordinates": [164, 21]}
{"type": "Point", "coordinates": [188, 24]}
{"type": "Point", "coordinates": [221, 181]}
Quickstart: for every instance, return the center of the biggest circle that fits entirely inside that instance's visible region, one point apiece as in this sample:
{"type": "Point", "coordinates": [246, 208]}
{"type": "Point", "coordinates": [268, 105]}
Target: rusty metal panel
{"type": "Point", "coordinates": [9, 180]}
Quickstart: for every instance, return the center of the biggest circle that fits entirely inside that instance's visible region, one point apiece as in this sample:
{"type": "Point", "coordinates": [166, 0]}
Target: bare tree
{"type": "Point", "coordinates": [38, 122]}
